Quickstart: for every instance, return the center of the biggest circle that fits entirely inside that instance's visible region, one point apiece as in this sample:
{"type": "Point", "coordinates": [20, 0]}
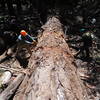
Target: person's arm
{"type": "Point", "coordinates": [19, 38]}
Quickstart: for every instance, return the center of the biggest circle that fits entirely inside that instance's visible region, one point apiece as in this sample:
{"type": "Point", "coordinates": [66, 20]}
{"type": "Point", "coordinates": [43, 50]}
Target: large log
{"type": "Point", "coordinates": [21, 90]}
{"type": "Point", "coordinates": [54, 74]}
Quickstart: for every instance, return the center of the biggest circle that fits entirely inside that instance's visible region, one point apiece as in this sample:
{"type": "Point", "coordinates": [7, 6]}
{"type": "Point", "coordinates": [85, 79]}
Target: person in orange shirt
{"type": "Point", "coordinates": [25, 42]}
{"type": "Point", "coordinates": [25, 37]}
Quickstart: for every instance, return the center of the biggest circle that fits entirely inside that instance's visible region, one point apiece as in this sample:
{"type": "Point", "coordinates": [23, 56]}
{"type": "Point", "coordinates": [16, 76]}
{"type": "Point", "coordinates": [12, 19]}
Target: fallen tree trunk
{"type": "Point", "coordinates": [22, 88]}
{"type": "Point", "coordinates": [54, 75]}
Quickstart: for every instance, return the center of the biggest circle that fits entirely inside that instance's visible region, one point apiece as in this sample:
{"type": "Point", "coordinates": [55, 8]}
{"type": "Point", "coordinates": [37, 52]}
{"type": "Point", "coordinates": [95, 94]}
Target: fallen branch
{"type": "Point", "coordinates": [10, 90]}
{"type": "Point", "coordinates": [21, 90]}
{"type": "Point", "coordinates": [20, 70]}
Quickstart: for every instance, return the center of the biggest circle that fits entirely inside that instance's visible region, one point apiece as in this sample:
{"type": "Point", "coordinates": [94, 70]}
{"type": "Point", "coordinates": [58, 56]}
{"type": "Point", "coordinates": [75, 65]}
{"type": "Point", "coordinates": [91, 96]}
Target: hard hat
{"type": "Point", "coordinates": [23, 32]}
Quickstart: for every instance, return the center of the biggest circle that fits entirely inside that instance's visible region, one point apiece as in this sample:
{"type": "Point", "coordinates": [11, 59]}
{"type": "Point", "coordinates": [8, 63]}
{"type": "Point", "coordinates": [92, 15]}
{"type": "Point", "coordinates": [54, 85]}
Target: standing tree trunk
{"type": "Point", "coordinates": [2, 2]}
{"type": "Point", "coordinates": [19, 8]}
{"type": "Point", "coordinates": [54, 75]}
{"type": "Point", "coordinates": [10, 7]}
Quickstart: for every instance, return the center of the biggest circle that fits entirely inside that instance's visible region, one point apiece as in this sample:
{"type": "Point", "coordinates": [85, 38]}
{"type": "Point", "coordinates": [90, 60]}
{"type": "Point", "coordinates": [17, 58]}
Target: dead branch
{"type": "Point", "coordinates": [10, 90]}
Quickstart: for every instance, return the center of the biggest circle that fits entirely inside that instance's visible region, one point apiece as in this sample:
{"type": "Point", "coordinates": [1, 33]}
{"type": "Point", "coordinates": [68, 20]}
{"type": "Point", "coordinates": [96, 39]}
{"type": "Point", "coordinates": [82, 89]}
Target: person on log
{"type": "Point", "coordinates": [25, 42]}
{"type": "Point", "coordinates": [25, 37]}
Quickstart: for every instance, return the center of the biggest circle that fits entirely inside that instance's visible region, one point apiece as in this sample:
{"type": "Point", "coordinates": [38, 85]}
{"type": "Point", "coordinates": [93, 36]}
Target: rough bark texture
{"type": "Point", "coordinates": [22, 88]}
{"type": "Point", "coordinates": [54, 75]}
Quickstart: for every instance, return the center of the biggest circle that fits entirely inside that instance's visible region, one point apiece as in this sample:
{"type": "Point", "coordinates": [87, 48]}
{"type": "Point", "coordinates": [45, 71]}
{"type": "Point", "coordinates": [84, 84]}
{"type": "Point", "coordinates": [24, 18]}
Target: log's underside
{"type": "Point", "coordinates": [54, 75]}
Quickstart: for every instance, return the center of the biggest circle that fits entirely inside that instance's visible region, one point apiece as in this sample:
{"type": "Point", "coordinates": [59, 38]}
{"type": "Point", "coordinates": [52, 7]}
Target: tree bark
{"type": "Point", "coordinates": [54, 75]}
{"type": "Point", "coordinates": [22, 89]}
